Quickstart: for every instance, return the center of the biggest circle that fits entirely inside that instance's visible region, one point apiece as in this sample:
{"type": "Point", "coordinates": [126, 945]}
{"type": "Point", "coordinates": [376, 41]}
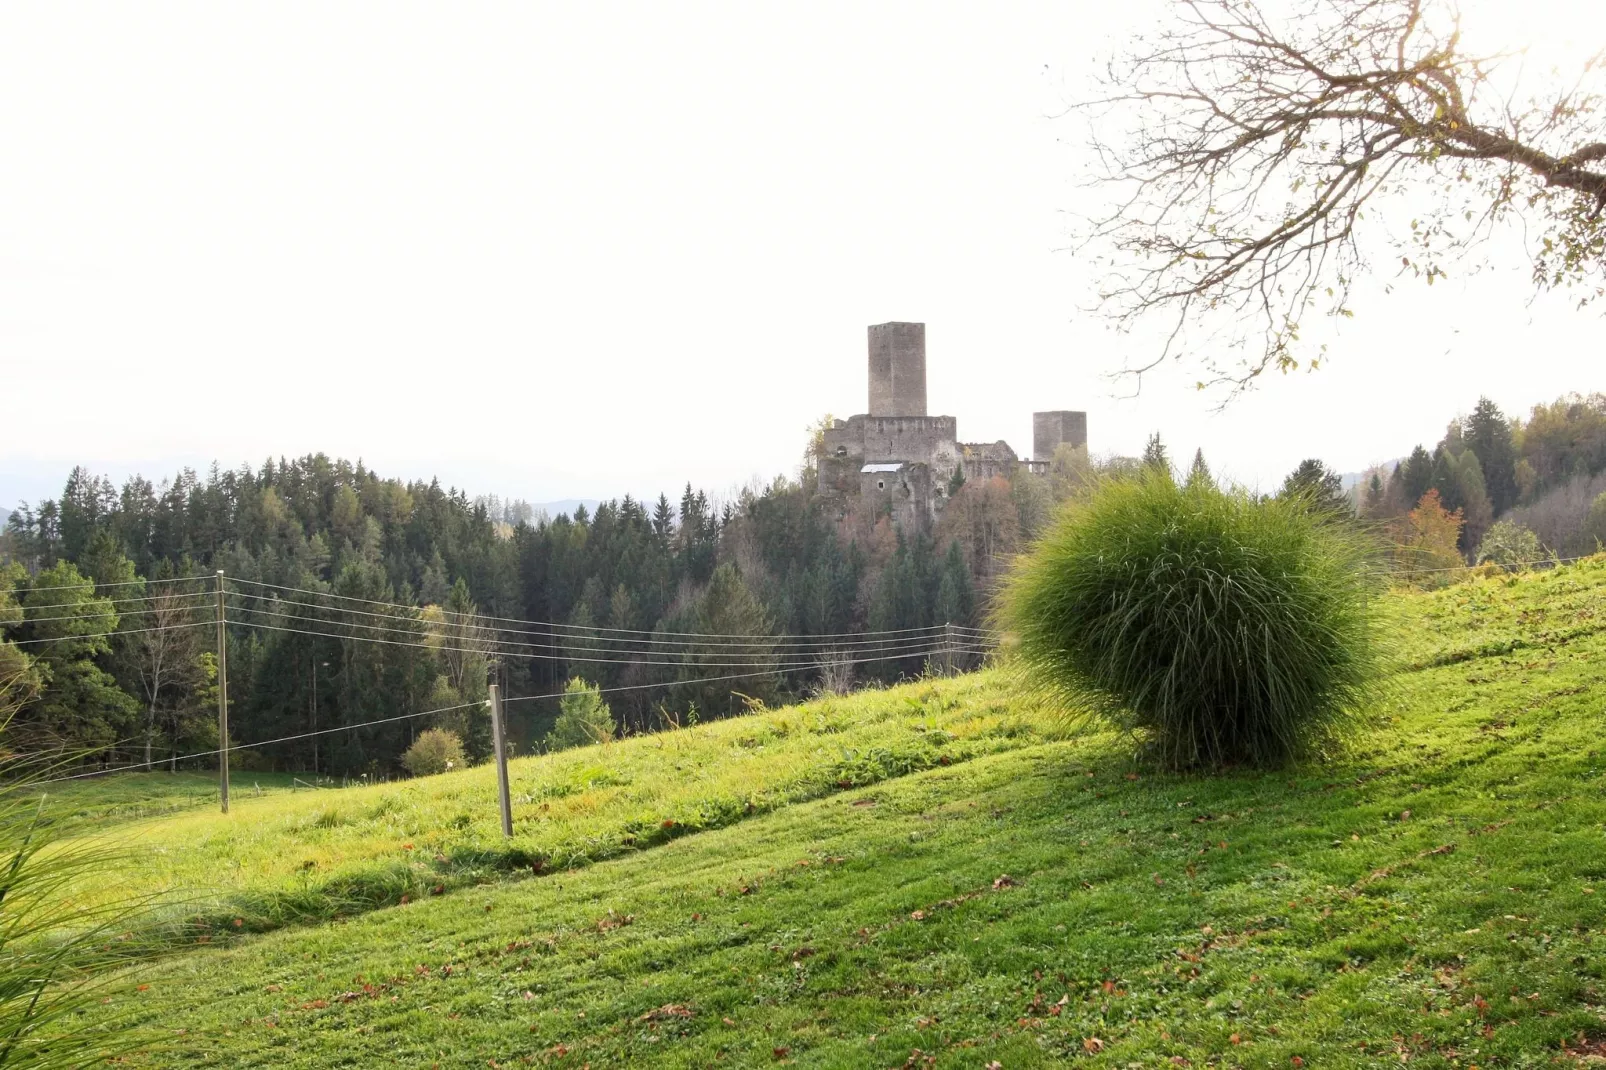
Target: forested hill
{"type": "Point", "coordinates": [617, 595]}
{"type": "Point", "coordinates": [354, 599]}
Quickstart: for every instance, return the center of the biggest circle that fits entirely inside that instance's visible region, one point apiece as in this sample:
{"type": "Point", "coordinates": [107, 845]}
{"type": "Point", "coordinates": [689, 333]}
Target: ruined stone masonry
{"type": "Point", "coordinates": [904, 460]}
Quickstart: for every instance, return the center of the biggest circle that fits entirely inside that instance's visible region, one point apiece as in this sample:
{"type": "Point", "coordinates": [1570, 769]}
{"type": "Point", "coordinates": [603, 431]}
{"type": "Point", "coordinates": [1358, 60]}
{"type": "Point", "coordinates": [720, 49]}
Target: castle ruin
{"type": "Point", "coordinates": [905, 461]}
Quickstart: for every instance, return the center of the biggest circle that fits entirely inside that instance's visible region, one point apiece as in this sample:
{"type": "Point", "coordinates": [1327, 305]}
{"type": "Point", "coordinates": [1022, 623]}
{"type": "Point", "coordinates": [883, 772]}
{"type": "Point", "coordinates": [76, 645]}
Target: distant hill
{"type": "Point", "coordinates": [1352, 479]}
{"type": "Point", "coordinates": [566, 505]}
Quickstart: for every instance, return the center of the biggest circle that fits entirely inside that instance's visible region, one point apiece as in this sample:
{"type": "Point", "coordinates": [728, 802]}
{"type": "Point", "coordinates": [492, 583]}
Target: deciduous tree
{"type": "Point", "coordinates": [1261, 154]}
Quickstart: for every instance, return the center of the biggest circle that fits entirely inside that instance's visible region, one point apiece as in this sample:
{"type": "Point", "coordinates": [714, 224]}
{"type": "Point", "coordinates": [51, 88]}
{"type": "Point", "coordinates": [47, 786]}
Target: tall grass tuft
{"type": "Point", "coordinates": [57, 957]}
{"type": "Point", "coordinates": [1222, 628]}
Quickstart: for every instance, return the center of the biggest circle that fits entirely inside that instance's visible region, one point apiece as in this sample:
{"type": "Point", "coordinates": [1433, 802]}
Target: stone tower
{"type": "Point", "coordinates": [1051, 429]}
{"type": "Point", "coordinates": [898, 369]}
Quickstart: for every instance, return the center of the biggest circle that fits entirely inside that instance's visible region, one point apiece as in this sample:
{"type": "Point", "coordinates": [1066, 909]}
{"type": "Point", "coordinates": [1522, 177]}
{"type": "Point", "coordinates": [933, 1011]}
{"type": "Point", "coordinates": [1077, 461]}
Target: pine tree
{"type": "Point", "coordinates": [1488, 435]}
{"type": "Point", "coordinates": [1416, 477]}
{"type": "Point", "coordinates": [1375, 495]}
{"type": "Point", "coordinates": [663, 520]}
{"type": "Point", "coordinates": [1318, 485]}
{"type": "Point", "coordinates": [956, 600]}
{"type": "Point", "coordinates": [583, 718]}
{"type": "Point", "coordinates": [1199, 474]}
{"type": "Point", "coordinates": [1154, 455]}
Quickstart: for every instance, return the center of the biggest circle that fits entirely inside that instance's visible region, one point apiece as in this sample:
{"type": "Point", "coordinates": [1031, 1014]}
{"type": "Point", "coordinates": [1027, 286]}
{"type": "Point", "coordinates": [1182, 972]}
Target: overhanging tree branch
{"type": "Point", "coordinates": [1253, 147]}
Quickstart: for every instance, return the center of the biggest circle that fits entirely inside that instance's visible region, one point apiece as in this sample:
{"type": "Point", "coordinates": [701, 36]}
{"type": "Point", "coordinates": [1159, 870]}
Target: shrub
{"type": "Point", "coordinates": [434, 751]}
{"type": "Point", "coordinates": [582, 717]}
{"type": "Point", "coordinates": [1511, 546]}
{"type": "Point", "coordinates": [1224, 628]}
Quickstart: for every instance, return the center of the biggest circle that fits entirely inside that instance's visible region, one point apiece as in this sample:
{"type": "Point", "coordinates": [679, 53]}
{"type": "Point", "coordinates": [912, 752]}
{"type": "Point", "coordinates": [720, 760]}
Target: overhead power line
{"type": "Point", "coordinates": [115, 601]}
{"type": "Point", "coordinates": [121, 614]}
{"type": "Point", "coordinates": [777, 663]}
{"type": "Point", "coordinates": [390, 720]}
{"type": "Point", "coordinates": [104, 635]}
{"type": "Point", "coordinates": [552, 624]}
{"type": "Point", "coordinates": [587, 632]}
{"type": "Point", "coordinates": [119, 583]}
{"type": "Point", "coordinates": [760, 643]}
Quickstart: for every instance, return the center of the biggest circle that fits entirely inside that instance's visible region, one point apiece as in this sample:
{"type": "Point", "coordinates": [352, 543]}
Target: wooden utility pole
{"type": "Point", "coordinates": [222, 698]}
{"type": "Point", "coordinates": [499, 737]}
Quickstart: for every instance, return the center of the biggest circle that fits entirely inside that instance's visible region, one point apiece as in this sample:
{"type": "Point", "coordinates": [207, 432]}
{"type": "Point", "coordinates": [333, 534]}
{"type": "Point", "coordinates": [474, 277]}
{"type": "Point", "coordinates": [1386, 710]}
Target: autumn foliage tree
{"type": "Point", "coordinates": [1425, 542]}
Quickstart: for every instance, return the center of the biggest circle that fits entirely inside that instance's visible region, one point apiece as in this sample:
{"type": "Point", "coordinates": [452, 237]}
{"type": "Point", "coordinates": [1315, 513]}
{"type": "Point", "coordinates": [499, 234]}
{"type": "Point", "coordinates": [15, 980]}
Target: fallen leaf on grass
{"type": "Point", "coordinates": [614, 921]}
{"type": "Point", "coordinates": [1093, 1045]}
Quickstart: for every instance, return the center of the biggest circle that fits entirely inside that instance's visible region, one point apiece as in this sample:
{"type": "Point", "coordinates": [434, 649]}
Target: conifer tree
{"type": "Point", "coordinates": [1318, 485]}
{"type": "Point", "coordinates": [1488, 435]}
{"type": "Point", "coordinates": [1154, 455]}
{"type": "Point", "coordinates": [1199, 474]}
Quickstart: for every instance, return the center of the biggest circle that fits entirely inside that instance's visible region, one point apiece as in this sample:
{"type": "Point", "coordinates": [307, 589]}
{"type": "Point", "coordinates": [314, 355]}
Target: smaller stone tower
{"type": "Point", "coordinates": [1051, 429]}
{"type": "Point", "coordinates": [898, 369]}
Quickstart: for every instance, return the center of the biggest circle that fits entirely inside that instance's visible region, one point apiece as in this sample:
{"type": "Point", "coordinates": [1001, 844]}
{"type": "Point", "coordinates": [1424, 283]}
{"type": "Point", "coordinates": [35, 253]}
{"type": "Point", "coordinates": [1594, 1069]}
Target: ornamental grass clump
{"type": "Point", "coordinates": [1221, 628]}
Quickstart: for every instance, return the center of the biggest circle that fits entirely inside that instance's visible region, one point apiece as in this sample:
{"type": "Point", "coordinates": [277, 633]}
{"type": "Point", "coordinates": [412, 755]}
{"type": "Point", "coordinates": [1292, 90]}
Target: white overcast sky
{"type": "Point", "coordinates": [575, 250]}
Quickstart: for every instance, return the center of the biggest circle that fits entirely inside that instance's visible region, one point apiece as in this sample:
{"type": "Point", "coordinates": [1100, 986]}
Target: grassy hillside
{"type": "Point", "coordinates": [1435, 898]}
{"type": "Point", "coordinates": [310, 855]}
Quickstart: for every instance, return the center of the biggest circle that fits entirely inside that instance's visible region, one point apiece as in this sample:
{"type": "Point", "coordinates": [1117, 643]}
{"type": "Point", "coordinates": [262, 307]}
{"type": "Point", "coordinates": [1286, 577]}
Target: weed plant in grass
{"type": "Point", "coordinates": [1224, 628]}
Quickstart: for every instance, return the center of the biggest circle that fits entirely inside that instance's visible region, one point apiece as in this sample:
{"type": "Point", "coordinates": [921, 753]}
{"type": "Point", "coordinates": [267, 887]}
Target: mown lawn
{"type": "Point", "coordinates": [311, 855]}
{"type": "Point", "coordinates": [129, 797]}
{"type": "Point", "coordinates": [1435, 898]}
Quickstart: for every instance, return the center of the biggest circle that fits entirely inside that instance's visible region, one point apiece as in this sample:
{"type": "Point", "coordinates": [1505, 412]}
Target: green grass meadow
{"type": "Point", "coordinates": [935, 875]}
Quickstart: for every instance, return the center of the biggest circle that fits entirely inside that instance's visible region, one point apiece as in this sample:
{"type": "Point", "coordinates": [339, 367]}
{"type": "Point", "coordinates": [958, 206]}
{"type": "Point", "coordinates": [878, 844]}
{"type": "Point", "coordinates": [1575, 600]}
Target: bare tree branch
{"type": "Point", "coordinates": [1253, 147]}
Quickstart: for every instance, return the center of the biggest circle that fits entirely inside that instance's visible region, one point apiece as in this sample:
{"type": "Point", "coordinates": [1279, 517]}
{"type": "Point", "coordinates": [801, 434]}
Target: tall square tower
{"type": "Point", "coordinates": [898, 369]}
{"type": "Point", "coordinates": [1051, 429]}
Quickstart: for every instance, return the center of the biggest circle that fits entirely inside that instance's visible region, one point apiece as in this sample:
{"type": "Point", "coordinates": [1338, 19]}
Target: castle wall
{"type": "Point", "coordinates": [984, 460]}
{"type": "Point", "coordinates": [910, 495]}
{"type": "Point", "coordinates": [898, 369]}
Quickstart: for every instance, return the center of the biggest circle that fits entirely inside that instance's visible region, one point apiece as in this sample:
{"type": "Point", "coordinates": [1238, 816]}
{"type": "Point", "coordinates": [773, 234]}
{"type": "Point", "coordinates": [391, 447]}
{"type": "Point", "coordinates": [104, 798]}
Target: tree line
{"type": "Point", "coordinates": [106, 595]}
